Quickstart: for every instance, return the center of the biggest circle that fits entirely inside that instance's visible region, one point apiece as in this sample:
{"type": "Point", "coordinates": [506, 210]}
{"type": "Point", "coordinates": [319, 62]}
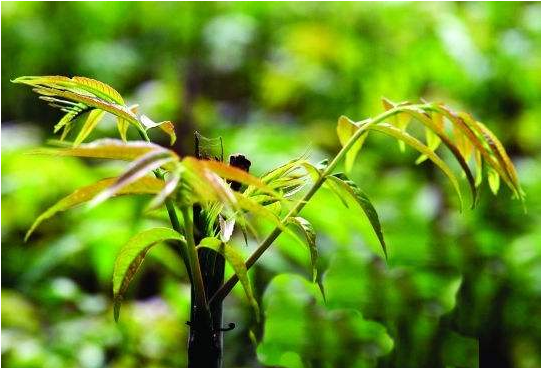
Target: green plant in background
{"type": "Point", "coordinates": [213, 198]}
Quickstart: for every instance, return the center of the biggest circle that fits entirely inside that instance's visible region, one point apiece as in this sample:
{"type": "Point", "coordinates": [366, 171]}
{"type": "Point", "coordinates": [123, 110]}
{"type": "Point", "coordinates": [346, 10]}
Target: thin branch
{"type": "Point", "coordinates": [228, 286]}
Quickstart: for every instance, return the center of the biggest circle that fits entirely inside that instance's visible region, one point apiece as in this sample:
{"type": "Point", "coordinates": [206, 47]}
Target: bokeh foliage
{"type": "Point", "coordinates": [272, 79]}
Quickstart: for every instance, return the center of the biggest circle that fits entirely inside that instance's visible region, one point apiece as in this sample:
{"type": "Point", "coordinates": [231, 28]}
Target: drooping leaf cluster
{"type": "Point", "coordinates": [183, 182]}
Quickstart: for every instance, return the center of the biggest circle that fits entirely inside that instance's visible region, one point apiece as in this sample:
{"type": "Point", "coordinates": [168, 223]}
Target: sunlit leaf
{"type": "Point", "coordinates": [136, 169]}
{"type": "Point", "coordinates": [345, 129]}
{"type": "Point", "coordinates": [344, 189]}
{"type": "Point", "coordinates": [416, 144]}
{"type": "Point", "coordinates": [472, 130]}
{"type": "Point", "coordinates": [123, 124]}
{"type": "Point", "coordinates": [131, 257]}
{"type": "Point", "coordinates": [170, 185]}
{"type": "Point", "coordinates": [234, 258]}
{"type": "Point", "coordinates": [436, 125]}
{"type": "Point", "coordinates": [308, 230]}
{"type": "Point", "coordinates": [432, 139]}
{"type": "Point", "coordinates": [145, 185]}
{"type": "Point", "coordinates": [226, 172]}
{"type": "Point", "coordinates": [99, 89]}
{"type": "Point", "coordinates": [104, 148]}
{"type": "Point", "coordinates": [94, 117]}
{"type": "Point", "coordinates": [493, 180]}
{"type": "Point", "coordinates": [400, 120]}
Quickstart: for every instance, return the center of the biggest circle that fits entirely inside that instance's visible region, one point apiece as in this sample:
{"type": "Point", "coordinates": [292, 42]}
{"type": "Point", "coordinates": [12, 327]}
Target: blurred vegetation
{"type": "Point", "coordinates": [272, 79]}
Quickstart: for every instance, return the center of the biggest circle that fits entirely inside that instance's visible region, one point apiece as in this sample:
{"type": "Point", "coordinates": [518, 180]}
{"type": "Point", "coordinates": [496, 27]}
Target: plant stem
{"type": "Point", "coordinates": [198, 285]}
{"type": "Point", "coordinates": [173, 218]}
{"type": "Point", "coordinates": [228, 286]}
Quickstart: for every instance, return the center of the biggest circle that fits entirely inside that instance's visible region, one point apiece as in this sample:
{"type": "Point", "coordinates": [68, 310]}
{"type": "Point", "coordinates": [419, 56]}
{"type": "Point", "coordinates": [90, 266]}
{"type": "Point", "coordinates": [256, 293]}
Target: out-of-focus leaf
{"type": "Point", "coordinates": [308, 230]}
{"type": "Point", "coordinates": [145, 185]}
{"type": "Point", "coordinates": [94, 117]}
{"type": "Point", "coordinates": [131, 257]}
{"type": "Point", "coordinates": [346, 189]}
{"type": "Point", "coordinates": [234, 258]}
{"type": "Point", "coordinates": [137, 169]}
{"type": "Point", "coordinates": [345, 129]}
{"type": "Point", "coordinates": [294, 310]}
{"type": "Point", "coordinates": [460, 351]}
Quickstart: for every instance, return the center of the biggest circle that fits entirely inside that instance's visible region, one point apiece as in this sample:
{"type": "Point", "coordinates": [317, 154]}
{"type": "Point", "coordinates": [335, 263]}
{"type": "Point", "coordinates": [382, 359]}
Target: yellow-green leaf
{"type": "Point", "coordinates": [94, 117]}
{"type": "Point", "coordinates": [234, 258]}
{"type": "Point", "coordinates": [346, 189]}
{"type": "Point", "coordinates": [493, 180]}
{"type": "Point", "coordinates": [310, 235]}
{"type": "Point", "coordinates": [345, 129]}
{"type": "Point", "coordinates": [131, 257]}
{"type": "Point", "coordinates": [416, 144]}
{"type": "Point", "coordinates": [400, 120]}
{"type": "Point", "coordinates": [146, 185]}
{"type": "Point", "coordinates": [103, 148]}
{"type": "Point", "coordinates": [227, 172]}
{"type": "Point", "coordinates": [136, 170]}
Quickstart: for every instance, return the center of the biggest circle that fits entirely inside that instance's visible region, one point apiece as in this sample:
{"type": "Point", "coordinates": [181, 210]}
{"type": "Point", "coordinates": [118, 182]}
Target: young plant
{"type": "Point", "coordinates": [213, 197]}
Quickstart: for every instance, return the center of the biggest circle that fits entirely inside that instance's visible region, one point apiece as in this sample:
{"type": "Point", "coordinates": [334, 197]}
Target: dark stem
{"type": "Point", "coordinates": [206, 341]}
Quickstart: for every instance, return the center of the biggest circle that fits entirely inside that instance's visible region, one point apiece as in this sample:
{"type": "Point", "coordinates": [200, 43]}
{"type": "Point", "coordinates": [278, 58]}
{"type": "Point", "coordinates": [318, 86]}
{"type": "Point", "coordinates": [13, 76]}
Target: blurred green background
{"type": "Point", "coordinates": [272, 79]}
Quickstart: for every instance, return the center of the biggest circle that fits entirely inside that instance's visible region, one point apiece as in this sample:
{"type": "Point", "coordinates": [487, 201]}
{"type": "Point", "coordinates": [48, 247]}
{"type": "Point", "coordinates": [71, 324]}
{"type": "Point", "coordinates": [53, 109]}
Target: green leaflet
{"type": "Point", "coordinates": [146, 185]}
{"type": "Point", "coordinates": [400, 120]}
{"type": "Point", "coordinates": [99, 89]}
{"type": "Point", "coordinates": [103, 148]}
{"type": "Point", "coordinates": [122, 126]}
{"type": "Point", "coordinates": [435, 124]}
{"type": "Point", "coordinates": [493, 180]}
{"type": "Point", "coordinates": [416, 144]}
{"type": "Point", "coordinates": [165, 126]}
{"type": "Point", "coordinates": [131, 257]}
{"type": "Point", "coordinates": [237, 263]}
{"type": "Point", "coordinates": [94, 117]}
{"type": "Point", "coordinates": [136, 170]}
{"type": "Point", "coordinates": [227, 172]}
{"type": "Point", "coordinates": [345, 188]}
{"type": "Point", "coordinates": [78, 84]}
{"type": "Point", "coordinates": [345, 129]}
{"type": "Point", "coordinates": [86, 91]}
{"type": "Point", "coordinates": [310, 235]}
